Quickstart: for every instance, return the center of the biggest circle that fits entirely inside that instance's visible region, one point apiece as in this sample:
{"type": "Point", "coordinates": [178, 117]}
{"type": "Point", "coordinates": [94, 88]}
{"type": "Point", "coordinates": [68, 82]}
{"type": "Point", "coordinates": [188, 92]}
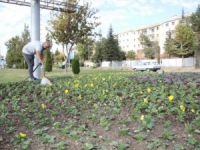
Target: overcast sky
{"type": "Point", "coordinates": [121, 14]}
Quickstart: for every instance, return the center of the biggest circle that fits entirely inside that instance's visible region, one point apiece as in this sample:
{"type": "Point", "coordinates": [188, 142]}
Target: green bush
{"type": "Point", "coordinates": [48, 61]}
{"type": "Point", "coordinates": [75, 66]}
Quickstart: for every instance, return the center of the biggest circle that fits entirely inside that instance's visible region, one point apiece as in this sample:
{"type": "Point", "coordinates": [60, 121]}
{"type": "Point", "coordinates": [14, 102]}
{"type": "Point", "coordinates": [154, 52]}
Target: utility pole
{"type": "Point", "coordinates": [35, 31]}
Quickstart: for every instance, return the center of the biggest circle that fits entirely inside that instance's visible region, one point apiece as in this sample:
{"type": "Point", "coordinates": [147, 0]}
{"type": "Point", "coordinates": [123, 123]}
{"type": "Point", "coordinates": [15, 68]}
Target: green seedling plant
{"type": "Point", "coordinates": [124, 131]}
{"type": "Point", "coordinates": [154, 144]}
{"type": "Point", "coordinates": [179, 147]}
{"type": "Point", "coordinates": [139, 136]}
{"type": "Point", "coordinates": [168, 135]}
{"type": "Point", "coordinates": [104, 123]}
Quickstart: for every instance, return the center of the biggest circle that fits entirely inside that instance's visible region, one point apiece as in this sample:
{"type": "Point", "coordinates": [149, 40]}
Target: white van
{"type": "Point", "coordinates": [147, 66]}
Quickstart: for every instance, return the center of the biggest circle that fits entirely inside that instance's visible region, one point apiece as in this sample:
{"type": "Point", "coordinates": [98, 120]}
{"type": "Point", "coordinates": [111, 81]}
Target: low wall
{"type": "Point", "coordinates": [172, 62]}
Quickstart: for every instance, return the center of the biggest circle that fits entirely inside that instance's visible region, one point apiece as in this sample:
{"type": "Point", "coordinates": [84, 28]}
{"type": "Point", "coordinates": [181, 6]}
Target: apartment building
{"type": "Point", "coordinates": [129, 40]}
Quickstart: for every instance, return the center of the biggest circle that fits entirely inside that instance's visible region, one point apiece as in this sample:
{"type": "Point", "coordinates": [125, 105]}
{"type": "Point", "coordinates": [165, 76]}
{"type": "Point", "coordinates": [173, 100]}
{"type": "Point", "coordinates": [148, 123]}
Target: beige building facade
{"type": "Point", "coordinates": [129, 40]}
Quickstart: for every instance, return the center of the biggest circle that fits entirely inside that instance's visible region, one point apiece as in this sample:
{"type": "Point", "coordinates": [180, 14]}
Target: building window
{"type": "Point", "coordinates": [152, 29]}
{"type": "Point", "coordinates": [173, 23]}
{"type": "Point", "coordinates": [157, 28]}
{"type": "Point", "coordinates": [167, 33]}
{"type": "Point", "coordinates": [166, 24]}
{"type": "Point", "coordinates": [144, 31]}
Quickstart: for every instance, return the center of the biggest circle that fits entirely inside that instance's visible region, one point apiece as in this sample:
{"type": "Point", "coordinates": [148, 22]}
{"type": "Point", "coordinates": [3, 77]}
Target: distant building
{"type": "Point", "coordinates": [129, 40]}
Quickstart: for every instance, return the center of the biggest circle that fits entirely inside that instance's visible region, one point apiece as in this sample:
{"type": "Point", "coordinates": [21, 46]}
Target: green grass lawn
{"type": "Point", "coordinates": [15, 75]}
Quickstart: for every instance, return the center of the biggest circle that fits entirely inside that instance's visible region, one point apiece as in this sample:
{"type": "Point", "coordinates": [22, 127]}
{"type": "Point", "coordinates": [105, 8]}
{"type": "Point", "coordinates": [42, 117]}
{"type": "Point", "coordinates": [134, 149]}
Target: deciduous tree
{"type": "Point", "coordinates": [69, 29]}
{"type": "Point", "coordinates": [184, 41]}
{"type": "Point", "coordinates": [151, 49]}
{"type": "Point", "coordinates": [14, 46]}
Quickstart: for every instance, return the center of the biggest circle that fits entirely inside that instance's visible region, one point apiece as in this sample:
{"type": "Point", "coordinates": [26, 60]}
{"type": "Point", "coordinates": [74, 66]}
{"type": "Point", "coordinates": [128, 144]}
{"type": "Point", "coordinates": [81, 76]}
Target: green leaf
{"type": "Point", "coordinates": [191, 140]}
{"type": "Point", "coordinates": [154, 144]}
{"type": "Point", "coordinates": [168, 135]}
{"type": "Point", "coordinates": [26, 144]}
{"type": "Point", "coordinates": [61, 145]}
{"type": "Point", "coordinates": [47, 138]}
{"type": "Point", "coordinates": [179, 147]}
{"type": "Point", "coordinates": [124, 132]}
{"type": "Point", "coordinates": [139, 137]}
{"type": "Point", "coordinates": [88, 146]}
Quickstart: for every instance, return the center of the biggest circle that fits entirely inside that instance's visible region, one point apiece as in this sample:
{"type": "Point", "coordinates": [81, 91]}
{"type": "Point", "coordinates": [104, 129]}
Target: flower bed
{"type": "Point", "coordinates": [105, 110]}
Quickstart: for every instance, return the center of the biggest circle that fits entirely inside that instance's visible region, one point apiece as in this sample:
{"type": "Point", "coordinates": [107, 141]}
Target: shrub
{"type": "Point", "coordinates": [75, 66]}
{"type": "Point", "coordinates": [48, 61]}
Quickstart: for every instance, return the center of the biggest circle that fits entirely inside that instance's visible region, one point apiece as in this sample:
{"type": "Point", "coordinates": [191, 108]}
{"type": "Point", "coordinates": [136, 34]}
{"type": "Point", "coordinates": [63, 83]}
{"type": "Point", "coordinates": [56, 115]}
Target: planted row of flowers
{"type": "Point", "coordinates": [79, 107]}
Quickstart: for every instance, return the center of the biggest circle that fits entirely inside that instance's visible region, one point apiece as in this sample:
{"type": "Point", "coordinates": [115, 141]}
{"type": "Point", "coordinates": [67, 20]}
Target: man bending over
{"type": "Point", "coordinates": [34, 49]}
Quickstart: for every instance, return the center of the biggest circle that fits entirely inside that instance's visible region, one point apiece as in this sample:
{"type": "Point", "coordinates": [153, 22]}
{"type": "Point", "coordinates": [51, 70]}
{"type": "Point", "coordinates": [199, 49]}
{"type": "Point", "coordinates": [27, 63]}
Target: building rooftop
{"type": "Point", "coordinates": [176, 17]}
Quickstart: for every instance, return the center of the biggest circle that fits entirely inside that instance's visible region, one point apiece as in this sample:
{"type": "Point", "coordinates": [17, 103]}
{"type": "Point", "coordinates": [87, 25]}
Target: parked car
{"type": "Point", "coordinates": [147, 66]}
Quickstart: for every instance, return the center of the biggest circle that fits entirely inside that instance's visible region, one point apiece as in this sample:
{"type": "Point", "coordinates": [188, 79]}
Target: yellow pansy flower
{"type": "Point", "coordinates": [22, 135]}
{"type": "Point", "coordinates": [170, 98]}
{"type": "Point", "coordinates": [182, 107]}
{"type": "Point", "coordinates": [146, 101]}
{"type": "Point", "coordinates": [92, 85]}
{"type": "Point", "coordinates": [80, 97]}
{"type": "Point", "coordinates": [66, 91]}
{"type": "Point", "coordinates": [142, 117]}
{"type": "Point", "coordinates": [148, 90]}
{"type": "Point", "coordinates": [193, 110]}
{"type": "Point", "coordinates": [43, 106]}
{"type": "Point", "coordinates": [76, 85]}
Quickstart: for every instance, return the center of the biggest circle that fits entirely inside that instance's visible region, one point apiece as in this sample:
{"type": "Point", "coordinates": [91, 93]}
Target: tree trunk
{"type": "Point", "coordinates": [67, 57]}
{"type": "Point", "coordinates": [158, 55]}
{"type": "Point", "coordinates": [197, 52]}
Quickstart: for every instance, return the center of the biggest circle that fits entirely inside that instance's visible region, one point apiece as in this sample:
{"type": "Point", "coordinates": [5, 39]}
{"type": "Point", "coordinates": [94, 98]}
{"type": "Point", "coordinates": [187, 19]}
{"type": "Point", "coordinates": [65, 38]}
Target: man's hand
{"type": "Point", "coordinates": [39, 56]}
{"type": "Point", "coordinates": [40, 64]}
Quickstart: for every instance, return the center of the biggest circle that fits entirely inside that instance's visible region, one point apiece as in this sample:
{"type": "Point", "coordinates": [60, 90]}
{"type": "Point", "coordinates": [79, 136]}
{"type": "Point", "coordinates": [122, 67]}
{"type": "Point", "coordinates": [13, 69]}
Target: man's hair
{"type": "Point", "coordinates": [49, 43]}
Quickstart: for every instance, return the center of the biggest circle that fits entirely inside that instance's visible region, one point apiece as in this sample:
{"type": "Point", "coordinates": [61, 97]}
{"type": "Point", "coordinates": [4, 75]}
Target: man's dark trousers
{"type": "Point", "coordinates": [30, 61]}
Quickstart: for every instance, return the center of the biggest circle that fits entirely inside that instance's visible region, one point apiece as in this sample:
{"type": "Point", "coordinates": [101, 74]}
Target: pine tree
{"type": "Point", "coordinates": [112, 49]}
